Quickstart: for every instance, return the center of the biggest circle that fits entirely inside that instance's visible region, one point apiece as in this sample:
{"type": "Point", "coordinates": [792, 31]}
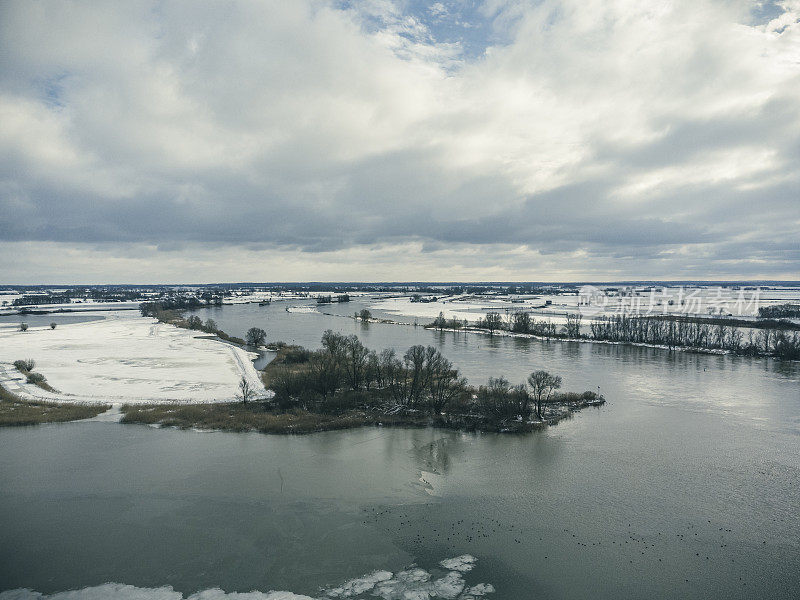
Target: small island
{"type": "Point", "coordinates": [345, 385]}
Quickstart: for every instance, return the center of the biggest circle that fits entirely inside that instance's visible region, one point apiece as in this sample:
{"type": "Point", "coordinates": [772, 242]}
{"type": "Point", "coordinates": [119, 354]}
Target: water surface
{"type": "Point", "coordinates": [686, 484]}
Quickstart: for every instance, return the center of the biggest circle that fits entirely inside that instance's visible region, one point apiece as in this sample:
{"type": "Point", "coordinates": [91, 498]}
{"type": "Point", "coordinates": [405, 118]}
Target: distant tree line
{"type": "Point", "coordinates": [780, 311]}
{"type": "Point", "coordinates": [39, 299]}
{"type": "Point", "coordinates": [171, 312]}
{"type": "Point", "coordinates": [772, 338]}
{"type": "Point", "coordinates": [177, 303]}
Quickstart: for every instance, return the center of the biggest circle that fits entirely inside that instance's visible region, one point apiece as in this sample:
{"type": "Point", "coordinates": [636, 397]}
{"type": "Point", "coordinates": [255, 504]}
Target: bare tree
{"type": "Point", "coordinates": [444, 383]}
{"type": "Point", "coordinates": [573, 326]}
{"type": "Point", "coordinates": [521, 322]}
{"type": "Point", "coordinates": [414, 363]}
{"type": "Point", "coordinates": [246, 391]}
{"type": "Point", "coordinates": [543, 384]}
{"type": "Point", "coordinates": [492, 322]}
{"type": "Point", "coordinates": [355, 361]}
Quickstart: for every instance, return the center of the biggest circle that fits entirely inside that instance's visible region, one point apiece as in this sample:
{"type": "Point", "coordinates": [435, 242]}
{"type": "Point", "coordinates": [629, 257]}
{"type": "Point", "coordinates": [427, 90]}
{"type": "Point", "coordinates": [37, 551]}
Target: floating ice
{"type": "Point", "coordinates": [117, 591]}
{"type": "Point", "coordinates": [477, 591]}
{"type": "Point", "coordinates": [462, 564]}
{"type": "Point", "coordinates": [301, 309]}
{"type": "Point", "coordinates": [412, 584]}
{"type": "Point", "coordinates": [354, 587]}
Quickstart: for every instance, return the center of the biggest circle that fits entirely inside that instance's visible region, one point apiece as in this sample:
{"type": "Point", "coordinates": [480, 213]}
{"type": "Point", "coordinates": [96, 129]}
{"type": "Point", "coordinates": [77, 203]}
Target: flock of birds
{"type": "Point", "coordinates": [687, 551]}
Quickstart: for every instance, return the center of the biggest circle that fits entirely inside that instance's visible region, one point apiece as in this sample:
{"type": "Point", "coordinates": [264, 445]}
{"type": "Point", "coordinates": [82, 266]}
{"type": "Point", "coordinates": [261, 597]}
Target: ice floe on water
{"type": "Point", "coordinates": [301, 309]}
{"type": "Point", "coordinates": [354, 587]}
{"type": "Point", "coordinates": [463, 563]}
{"type": "Point", "coordinates": [116, 591]}
{"type": "Point", "coordinates": [413, 583]}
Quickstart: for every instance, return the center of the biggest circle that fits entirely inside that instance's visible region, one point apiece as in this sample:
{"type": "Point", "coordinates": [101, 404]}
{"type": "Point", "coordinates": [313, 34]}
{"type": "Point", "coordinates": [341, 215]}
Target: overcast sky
{"type": "Point", "coordinates": [399, 140]}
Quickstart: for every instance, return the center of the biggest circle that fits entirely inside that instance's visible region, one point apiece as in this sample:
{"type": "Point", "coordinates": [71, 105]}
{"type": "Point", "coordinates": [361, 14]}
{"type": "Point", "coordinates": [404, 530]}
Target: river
{"type": "Point", "coordinates": [685, 484]}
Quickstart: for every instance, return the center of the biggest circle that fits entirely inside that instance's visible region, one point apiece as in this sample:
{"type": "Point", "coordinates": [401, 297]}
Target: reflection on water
{"type": "Point", "coordinates": [434, 456]}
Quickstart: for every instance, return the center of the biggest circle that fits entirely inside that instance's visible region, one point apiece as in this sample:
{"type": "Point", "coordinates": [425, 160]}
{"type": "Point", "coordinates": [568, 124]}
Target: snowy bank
{"type": "Point", "coordinates": [126, 359]}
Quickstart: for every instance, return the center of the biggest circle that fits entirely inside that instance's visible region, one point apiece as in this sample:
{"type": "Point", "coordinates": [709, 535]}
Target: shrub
{"type": "Point", "coordinates": [25, 365]}
{"type": "Point", "coordinates": [36, 378]}
{"type": "Point", "coordinates": [294, 356]}
{"type": "Point", "coordinates": [23, 327]}
{"type": "Point", "coordinates": [53, 325]}
{"type": "Point", "coordinates": [573, 396]}
{"type": "Point", "coordinates": [500, 400]}
{"type": "Point", "coordinates": [289, 384]}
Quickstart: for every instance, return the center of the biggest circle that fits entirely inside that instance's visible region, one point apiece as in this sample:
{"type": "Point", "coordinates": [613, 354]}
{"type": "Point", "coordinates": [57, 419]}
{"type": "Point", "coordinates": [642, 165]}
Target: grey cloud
{"type": "Point", "coordinates": [291, 127]}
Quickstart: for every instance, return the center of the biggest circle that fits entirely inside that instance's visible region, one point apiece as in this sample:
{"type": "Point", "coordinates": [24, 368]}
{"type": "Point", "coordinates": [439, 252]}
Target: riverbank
{"type": "Point", "coordinates": [587, 340]}
{"type": "Point", "coordinates": [16, 412]}
{"type": "Point", "coordinates": [263, 417]}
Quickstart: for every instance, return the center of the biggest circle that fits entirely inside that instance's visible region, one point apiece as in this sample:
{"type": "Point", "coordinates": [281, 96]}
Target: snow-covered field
{"type": "Point", "coordinates": [125, 358]}
{"type": "Point", "coordinates": [597, 302]}
{"type": "Point", "coordinates": [455, 307]}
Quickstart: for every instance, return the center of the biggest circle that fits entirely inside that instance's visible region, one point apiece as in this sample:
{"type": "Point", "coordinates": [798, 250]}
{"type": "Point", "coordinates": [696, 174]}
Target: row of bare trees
{"type": "Point", "coordinates": [777, 340]}
{"type": "Point", "coordinates": [686, 333]}
{"type": "Point", "coordinates": [524, 322]}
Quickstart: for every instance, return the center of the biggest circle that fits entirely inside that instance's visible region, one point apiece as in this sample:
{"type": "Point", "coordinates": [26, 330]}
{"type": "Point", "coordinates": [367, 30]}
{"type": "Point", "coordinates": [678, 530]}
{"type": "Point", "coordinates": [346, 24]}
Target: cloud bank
{"type": "Point", "coordinates": [380, 140]}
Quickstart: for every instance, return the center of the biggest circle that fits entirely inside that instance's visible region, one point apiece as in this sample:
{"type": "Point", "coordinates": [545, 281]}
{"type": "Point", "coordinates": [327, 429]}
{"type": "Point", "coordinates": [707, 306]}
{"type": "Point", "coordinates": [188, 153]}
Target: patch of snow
{"type": "Point", "coordinates": [126, 359]}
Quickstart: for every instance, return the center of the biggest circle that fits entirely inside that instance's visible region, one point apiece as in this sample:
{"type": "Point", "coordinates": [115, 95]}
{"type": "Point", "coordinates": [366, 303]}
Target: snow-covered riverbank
{"type": "Point", "coordinates": [128, 359]}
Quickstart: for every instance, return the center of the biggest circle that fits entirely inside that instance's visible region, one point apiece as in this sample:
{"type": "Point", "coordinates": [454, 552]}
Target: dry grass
{"type": "Point", "coordinates": [15, 411]}
{"type": "Point", "coordinates": [255, 416]}
{"type": "Point", "coordinates": [279, 364]}
{"type": "Point", "coordinates": [264, 418]}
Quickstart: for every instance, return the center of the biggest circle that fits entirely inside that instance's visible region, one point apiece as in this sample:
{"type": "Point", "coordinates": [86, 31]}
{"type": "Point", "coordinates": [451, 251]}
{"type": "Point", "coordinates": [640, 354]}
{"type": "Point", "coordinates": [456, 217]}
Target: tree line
{"type": "Point", "coordinates": [773, 338]}
{"type": "Point", "coordinates": [780, 311]}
